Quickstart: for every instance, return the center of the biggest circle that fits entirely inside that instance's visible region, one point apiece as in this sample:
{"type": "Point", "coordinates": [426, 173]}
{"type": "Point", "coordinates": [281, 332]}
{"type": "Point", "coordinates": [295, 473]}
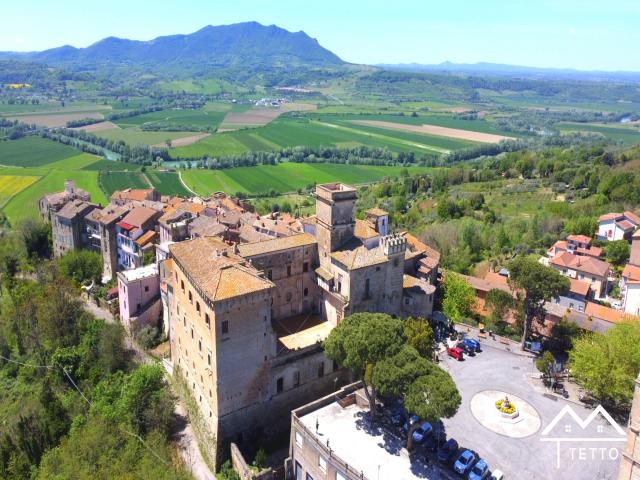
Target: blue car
{"type": "Point", "coordinates": [471, 344]}
{"type": "Point", "coordinates": [447, 451]}
{"type": "Point", "coordinates": [464, 462]}
{"type": "Point", "coordinates": [413, 419]}
{"type": "Point", "coordinates": [421, 433]}
{"type": "Point", "coordinates": [480, 471]}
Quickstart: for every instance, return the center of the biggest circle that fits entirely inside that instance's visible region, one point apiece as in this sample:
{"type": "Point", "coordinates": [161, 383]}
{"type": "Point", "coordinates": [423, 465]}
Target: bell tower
{"type": "Point", "coordinates": [336, 218]}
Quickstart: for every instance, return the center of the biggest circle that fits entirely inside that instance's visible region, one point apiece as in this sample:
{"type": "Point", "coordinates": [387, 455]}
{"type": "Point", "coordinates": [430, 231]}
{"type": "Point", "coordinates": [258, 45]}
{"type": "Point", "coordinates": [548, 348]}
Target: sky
{"type": "Point", "coordinates": [580, 34]}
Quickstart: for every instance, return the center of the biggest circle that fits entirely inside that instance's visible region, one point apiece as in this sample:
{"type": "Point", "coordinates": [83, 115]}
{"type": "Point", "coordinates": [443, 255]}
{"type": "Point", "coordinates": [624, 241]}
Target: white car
{"type": "Point", "coordinates": [497, 475]}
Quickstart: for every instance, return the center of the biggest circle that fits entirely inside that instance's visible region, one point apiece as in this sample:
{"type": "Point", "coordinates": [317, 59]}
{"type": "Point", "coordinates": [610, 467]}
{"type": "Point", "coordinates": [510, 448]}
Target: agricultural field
{"type": "Point", "coordinates": [135, 136]}
{"type": "Point", "coordinates": [112, 181]}
{"type": "Point", "coordinates": [628, 135]}
{"type": "Point", "coordinates": [201, 118]}
{"type": "Point", "coordinates": [56, 119]}
{"type": "Point", "coordinates": [430, 134]}
{"type": "Point", "coordinates": [168, 183]}
{"type": "Point", "coordinates": [33, 152]}
{"type": "Point", "coordinates": [261, 116]}
{"type": "Point", "coordinates": [285, 177]}
{"type": "Point", "coordinates": [10, 185]}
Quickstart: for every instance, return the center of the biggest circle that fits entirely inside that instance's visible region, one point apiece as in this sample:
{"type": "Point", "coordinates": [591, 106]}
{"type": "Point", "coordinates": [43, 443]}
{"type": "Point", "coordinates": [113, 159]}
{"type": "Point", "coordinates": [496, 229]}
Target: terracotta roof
{"type": "Point", "coordinates": [194, 208]}
{"type": "Point", "coordinates": [376, 212]}
{"type": "Point", "coordinates": [581, 264]}
{"type": "Point", "coordinates": [218, 272]}
{"type": "Point", "coordinates": [139, 194]}
{"type": "Point", "coordinates": [204, 226]}
{"type": "Point", "coordinates": [484, 285]}
{"type": "Point", "coordinates": [364, 230]}
{"type": "Point", "coordinates": [493, 277]}
{"type": "Point", "coordinates": [416, 245]}
{"type": "Point", "coordinates": [632, 217]}
{"type": "Point", "coordinates": [248, 234]}
{"type": "Point", "coordinates": [581, 288]}
{"type": "Point", "coordinates": [579, 238]}
{"type": "Point", "coordinates": [109, 214]}
{"type": "Point", "coordinates": [277, 244]}
{"type": "Point", "coordinates": [145, 238]}
{"type": "Point", "coordinates": [631, 272]}
{"type": "Point", "coordinates": [604, 313]}
{"type": "Point", "coordinates": [360, 257]}
{"type": "Point", "coordinates": [609, 217]}
{"type": "Point", "coordinates": [139, 215]}
{"type": "Point", "coordinates": [591, 251]}
{"type": "Point", "coordinates": [625, 224]}
{"type": "Point", "coordinates": [310, 220]}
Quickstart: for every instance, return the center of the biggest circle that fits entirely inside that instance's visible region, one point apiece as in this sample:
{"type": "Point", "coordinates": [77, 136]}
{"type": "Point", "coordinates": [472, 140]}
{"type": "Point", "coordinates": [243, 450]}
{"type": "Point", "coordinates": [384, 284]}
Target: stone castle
{"type": "Point", "coordinates": [246, 321]}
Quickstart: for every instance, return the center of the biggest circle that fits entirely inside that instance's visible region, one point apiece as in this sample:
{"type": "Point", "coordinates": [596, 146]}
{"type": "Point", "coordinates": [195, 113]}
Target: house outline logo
{"type": "Point", "coordinates": [583, 424]}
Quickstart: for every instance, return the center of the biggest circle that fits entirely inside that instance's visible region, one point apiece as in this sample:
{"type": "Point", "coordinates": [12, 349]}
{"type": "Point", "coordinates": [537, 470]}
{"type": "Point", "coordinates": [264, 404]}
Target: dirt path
{"type": "Point", "coordinates": [438, 131]}
{"type": "Point", "coordinates": [183, 434]}
{"type": "Point", "coordinates": [185, 185]}
{"type": "Point", "coordinates": [184, 141]}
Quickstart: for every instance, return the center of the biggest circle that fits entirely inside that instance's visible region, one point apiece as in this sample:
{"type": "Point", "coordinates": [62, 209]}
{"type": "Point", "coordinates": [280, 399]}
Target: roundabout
{"type": "Point", "coordinates": [520, 421]}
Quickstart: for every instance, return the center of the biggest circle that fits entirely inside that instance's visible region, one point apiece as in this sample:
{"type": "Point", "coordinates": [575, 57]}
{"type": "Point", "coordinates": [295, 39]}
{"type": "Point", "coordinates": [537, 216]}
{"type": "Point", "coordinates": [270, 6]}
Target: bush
{"type": "Point", "coordinates": [81, 266]}
{"type": "Point", "coordinates": [148, 336]}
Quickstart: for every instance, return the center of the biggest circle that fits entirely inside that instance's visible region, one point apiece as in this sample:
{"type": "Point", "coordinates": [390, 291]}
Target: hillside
{"type": "Point", "coordinates": [248, 44]}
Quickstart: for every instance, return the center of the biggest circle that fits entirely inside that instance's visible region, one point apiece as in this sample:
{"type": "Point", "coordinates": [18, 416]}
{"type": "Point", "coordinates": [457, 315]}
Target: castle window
{"type": "Point", "coordinates": [198, 307]}
{"type": "Point", "coordinates": [396, 262]}
{"type": "Point", "coordinates": [182, 285]}
{"type": "Point", "coordinates": [207, 321]}
{"type": "Point", "coordinates": [200, 345]}
{"type": "Point", "coordinates": [146, 288]}
{"type": "Point", "coordinates": [209, 359]}
{"type": "Point", "coordinates": [306, 291]}
{"type": "Point", "coordinates": [279, 385]}
{"type": "Point", "coordinates": [288, 297]}
{"type": "Point", "coordinates": [190, 297]}
{"type": "Point", "coordinates": [296, 378]}
{"type": "Point", "coordinates": [191, 333]}
{"type": "Point", "coordinates": [288, 270]}
{"type": "Point", "coordinates": [225, 327]}
{"type": "Point", "coordinates": [269, 274]}
{"type": "Point", "coordinates": [305, 267]}
{"type": "Point", "coordinates": [321, 370]}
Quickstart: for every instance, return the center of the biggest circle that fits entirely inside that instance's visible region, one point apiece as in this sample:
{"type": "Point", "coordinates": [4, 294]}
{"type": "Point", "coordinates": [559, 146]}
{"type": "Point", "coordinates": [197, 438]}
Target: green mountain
{"type": "Point", "coordinates": [247, 44]}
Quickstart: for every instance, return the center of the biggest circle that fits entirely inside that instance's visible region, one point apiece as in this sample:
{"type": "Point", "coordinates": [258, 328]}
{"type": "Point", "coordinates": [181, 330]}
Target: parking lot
{"type": "Point", "coordinates": [528, 457]}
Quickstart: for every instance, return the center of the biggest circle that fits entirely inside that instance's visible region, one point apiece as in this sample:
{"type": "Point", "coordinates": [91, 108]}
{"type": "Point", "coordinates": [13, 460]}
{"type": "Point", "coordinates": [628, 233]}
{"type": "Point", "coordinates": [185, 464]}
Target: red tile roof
{"type": "Point", "coordinates": [631, 272]}
{"type": "Point", "coordinates": [632, 217]}
{"type": "Point", "coordinates": [601, 312]}
{"type": "Point", "coordinates": [625, 224]}
{"type": "Point", "coordinates": [579, 238]}
{"type": "Point", "coordinates": [581, 288]}
{"type": "Point", "coordinates": [581, 264]}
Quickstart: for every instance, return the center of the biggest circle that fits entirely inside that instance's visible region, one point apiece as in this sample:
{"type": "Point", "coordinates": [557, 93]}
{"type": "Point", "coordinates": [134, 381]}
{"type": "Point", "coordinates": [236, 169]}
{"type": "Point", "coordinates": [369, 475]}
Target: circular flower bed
{"type": "Point", "coordinates": [505, 406]}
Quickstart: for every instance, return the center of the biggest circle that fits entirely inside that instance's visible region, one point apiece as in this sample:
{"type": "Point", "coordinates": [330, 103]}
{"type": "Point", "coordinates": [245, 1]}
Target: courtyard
{"type": "Point", "coordinates": [521, 448]}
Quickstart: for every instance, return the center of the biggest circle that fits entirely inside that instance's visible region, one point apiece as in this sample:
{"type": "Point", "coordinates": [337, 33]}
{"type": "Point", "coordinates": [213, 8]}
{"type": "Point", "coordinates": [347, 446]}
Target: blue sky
{"type": "Point", "coordinates": [583, 34]}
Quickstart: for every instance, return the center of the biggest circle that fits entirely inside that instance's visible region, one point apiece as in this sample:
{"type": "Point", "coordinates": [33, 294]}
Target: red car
{"type": "Point", "coordinates": [455, 352]}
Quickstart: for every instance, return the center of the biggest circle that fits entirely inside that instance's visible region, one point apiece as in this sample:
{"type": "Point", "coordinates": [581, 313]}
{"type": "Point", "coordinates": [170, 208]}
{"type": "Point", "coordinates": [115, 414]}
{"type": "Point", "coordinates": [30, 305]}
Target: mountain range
{"type": "Point", "coordinates": [504, 70]}
{"type": "Point", "coordinates": [241, 44]}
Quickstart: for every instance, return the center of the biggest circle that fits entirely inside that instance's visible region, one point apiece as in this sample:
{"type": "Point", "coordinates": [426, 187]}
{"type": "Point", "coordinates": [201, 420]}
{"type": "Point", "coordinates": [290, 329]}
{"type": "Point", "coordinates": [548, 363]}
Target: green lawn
{"type": "Point", "coordinates": [110, 165]}
{"type": "Point", "coordinates": [33, 152]}
{"type": "Point", "coordinates": [168, 183]}
{"type": "Point", "coordinates": [112, 181]}
{"type": "Point", "coordinates": [285, 177]}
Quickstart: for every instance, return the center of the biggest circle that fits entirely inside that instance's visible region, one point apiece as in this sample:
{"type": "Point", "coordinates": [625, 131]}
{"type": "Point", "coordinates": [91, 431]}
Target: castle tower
{"type": "Point", "coordinates": [335, 212]}
{"type": "Point", "coordinates": [394, 247]}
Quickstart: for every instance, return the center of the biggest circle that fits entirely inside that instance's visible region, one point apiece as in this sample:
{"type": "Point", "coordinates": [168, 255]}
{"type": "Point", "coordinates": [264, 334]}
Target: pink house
{"type": "Point", "coordinates": [139, 293]}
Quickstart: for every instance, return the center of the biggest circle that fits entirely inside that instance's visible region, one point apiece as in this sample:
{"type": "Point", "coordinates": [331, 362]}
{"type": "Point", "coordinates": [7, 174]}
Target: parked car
{"type": "Point", "coordinates": [413, 419]}
{"type": "Point", "coordinates": [421, 433]}
{"type": "Point", "coordinates": [480, 471]}
{"type": "Point", "coordinates": [473, 343]}
{"type": "Point", "coordinates": [466, 348]}
{"type": "Point", "coordinates": [437, 438]}
{"type": "Point", "coordinates": [447, 451]}
{"type": "Point", "coordinates": [455, 352]}
{"type": "Point", "coordinates": [464, 462]}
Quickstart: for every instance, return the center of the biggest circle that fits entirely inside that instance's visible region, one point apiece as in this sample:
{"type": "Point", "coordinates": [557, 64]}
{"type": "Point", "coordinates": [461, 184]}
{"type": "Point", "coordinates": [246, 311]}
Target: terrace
{"type": "Point", "coordinates": [300, 331]}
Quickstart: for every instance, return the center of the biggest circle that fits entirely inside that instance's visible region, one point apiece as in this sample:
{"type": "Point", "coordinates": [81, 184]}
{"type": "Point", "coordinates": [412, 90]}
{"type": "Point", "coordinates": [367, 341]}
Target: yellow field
{"type": "Point", "coordinates": [12, 184]}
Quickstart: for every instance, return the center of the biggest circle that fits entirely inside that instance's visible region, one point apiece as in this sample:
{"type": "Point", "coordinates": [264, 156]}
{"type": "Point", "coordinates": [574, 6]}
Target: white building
{"type": "Point", "coordinates": [630, 289]}
{"type": "Point", "coordinates": [617, 226]}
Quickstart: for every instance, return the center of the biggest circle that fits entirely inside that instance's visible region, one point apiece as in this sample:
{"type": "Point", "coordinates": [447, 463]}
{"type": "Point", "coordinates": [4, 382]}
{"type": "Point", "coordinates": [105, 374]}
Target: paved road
{"type": "Point", "coordinates": [526, 458]}
{"type": "Point", "coordinates": [183, 433]}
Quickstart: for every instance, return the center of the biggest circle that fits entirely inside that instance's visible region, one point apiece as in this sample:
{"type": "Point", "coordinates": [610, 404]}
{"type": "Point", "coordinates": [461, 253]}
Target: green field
{"type": "Point", "coordinates": [33, 152]}
{"type": "Point", "coordinates": [285, 177]}
{"type": "Point", "coordinates": [199, 118]}
{"type": "Point", "coordinates": [135, 136]}
{"type": "Point", "coordinates": [168, 183]}
{"type": "Point", "coordinates": [109, 165]}
{"type": "Point", "coordinates": [627, 135]}
{"type": "Point", "coordinates": [112, 181]}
